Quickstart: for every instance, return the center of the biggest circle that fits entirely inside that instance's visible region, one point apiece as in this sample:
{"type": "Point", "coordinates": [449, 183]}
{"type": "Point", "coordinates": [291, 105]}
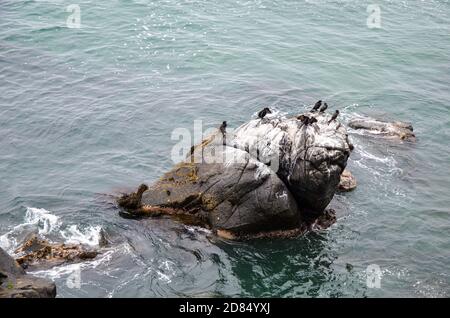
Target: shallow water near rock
{"type": "Point", "coordinates": [88, 113]}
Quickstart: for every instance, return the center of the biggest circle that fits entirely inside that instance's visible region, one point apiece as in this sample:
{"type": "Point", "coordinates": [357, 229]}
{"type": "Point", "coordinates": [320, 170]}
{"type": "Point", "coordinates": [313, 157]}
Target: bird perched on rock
{"type": "Point", "coordinates": [304, 119]}
{"type": "Point", "coordinates": [335, 115]}
{"type": "Point", "coordinates": [307, 120]}
{"type": "Point", "coordinates": [223, 130]}
{"type": "Point", "coordinates": [264, 112]}
{"type": "Point", "coordinates": [317, 106]}
{"type": "Point", "coordinates": [132, 201]}
{"type": "Point", "coordinates": [323, 108]}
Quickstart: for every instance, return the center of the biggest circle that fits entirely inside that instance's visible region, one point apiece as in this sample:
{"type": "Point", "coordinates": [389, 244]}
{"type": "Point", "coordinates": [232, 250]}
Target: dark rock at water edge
{"type": "Point", "coordinates": [272, 177]}
{"type": "Point", "coordinates": [15, 283]}
{"type": "Point", "coordinates": [38, 252]}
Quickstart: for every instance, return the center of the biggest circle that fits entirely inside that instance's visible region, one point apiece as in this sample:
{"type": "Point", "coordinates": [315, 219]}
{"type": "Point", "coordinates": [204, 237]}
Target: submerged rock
{"type": "Point", "coordinates": [396, 129]}
{"type": "Point", "coordinates": [37, 251]}
{"type": "Point", "coordinates": [272, 177]}
{"type": "Point", "coordinates": [15, 283]}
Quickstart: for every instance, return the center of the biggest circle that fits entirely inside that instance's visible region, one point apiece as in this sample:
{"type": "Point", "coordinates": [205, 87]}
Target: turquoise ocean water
{"type": "Point", "coordinates": [89, 112]}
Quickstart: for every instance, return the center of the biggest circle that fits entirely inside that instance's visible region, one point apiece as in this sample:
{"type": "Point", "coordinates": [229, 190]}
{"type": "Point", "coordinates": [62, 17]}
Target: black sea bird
{"type": "Point", "coordinates": [312, 120]}
{"type": "Point", "coordinates": [264, 112]}
{"type": "Point", "coordinates": [317, 106]}
{"type": "Point", "coordinates": [304, 119]}
{"type": "Point", "coordinates": [335, 115]}
{"type": "Point", "coordinates": [132, 201]}
{"type": "Point", "coordinates": [223, 130]}
{"type": "Point", "coordinates": [323, 108]}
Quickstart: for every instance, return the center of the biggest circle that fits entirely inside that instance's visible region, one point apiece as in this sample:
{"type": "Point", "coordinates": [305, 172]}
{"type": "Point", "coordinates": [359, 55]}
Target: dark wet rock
{"type": "Point", "coordinates": [103, 240]}
{"type": "Point", "coordinates": [39, 252]}
{"type": "Point", "coordinates": [243, 196]}
{"type": "Point", "coordinates": [15, 283]}
{"type": "Point", "coordinates": [348, 182]}
{"type": "Point", "coordinates": [274, 177]}
{"type": "Point", "coordinates": [132, 200]}
{"type": "Point", "coordinates": [396, 129]}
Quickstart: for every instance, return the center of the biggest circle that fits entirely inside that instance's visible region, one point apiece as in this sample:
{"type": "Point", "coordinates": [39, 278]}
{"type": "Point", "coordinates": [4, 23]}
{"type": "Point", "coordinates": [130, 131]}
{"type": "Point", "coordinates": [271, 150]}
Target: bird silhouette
{"type": "Point", "coordinates": [335, 115]}
{"type": "Point", "coordinates": [223, 130]}
{"type": "Point", "coordinates": [317, 106]}
{"type": "Point", "coordinates": [264, 112]}
{"type": "Point", "coordinates": [323, 108]}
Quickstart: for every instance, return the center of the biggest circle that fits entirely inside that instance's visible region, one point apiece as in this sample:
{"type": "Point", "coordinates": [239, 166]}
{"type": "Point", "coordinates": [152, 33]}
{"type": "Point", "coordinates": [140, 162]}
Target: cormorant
{"type": "Point", "coordinates": [132, 201]}
{"type": "Point", "coordinates": [304, 119]}
{"type": "Point", "coordinates": [317, 106]}
{"type": "Point", "coordinates": [307, 120]}
{"type": "Point", "coordinates": [323, 108]}
{"type": "Point", "coordinates": [264, 112]}
{"type": "Point", "coordinates": [335, 115]}
{"type": "Point", "coordinates": [312, 120]}
{"type": "Point", "coordinates": [223, 130]}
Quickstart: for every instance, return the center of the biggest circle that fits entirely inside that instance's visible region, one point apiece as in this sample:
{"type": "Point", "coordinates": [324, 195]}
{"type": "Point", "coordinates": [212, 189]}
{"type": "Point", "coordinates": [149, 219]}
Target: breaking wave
{"type": "Point", "coordinates": [38, 220]}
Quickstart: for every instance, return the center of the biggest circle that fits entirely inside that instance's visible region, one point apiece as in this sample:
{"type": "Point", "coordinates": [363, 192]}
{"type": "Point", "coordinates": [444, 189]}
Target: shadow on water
{"type": "Point", "coordinates": [300, 267]}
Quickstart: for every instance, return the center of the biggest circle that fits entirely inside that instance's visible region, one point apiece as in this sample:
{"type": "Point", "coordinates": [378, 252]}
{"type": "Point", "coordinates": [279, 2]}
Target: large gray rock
{"type": "Point", "coordinates": [271, 174]}
{"type": "Point", "coordinates": [15, 283]}
{"type": "Point", "coordinates": [308, 158]}
{"type": "Point", "coordinates": [233, 191]}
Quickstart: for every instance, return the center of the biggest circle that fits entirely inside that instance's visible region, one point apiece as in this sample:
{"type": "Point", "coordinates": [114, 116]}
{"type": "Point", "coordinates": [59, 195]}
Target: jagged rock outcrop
{"type": "Point", "coordinates": [396, 129]}
{"type": "Point", "coordinates": [347, 182]}
{"type": "Point", "coordinates": [270, 175]}
{"type": "Point", "coordinates": [37, 251]}
{"type": "Point", "coordinates": [15, 283]}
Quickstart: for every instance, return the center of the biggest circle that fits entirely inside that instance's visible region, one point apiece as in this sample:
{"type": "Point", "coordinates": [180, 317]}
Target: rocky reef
{"type": "Point", "coordinates": [396, 129]}
{"type": "Point", "coordinates": [38, 252]}
{"type": "Point", "coordinates": [15, 283]}
{"type": "Point", "coordinates": [272, 176]}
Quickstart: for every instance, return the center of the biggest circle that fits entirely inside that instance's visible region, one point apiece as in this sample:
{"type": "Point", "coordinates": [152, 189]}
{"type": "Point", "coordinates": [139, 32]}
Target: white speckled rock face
{"type": "Point", "coordinates": [308, 158]}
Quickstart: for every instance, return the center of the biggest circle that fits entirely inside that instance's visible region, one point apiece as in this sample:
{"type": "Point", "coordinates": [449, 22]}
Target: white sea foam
{"type": "Point", "coordinates": [166, 271]}
{"type": "Point", "coordinates": [45, 221]}
{"type": "Point", "coordinates": [89, 236]}
{"type": "Point", "coordinates": [198, 229]}
{"type": "Point", "coordinates": [368, 155]}
{"type": "Point", "coordinates": [5, 242]}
